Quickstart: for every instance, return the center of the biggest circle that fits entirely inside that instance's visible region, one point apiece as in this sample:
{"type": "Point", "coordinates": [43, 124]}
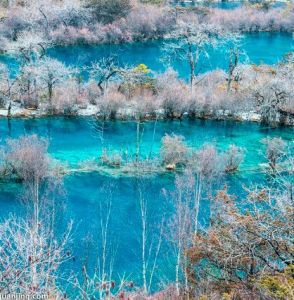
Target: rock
{"type": "Point", "coordinates": [3, 112]}
{"type": "Point", "coordinates": [19, 112]}
{"type": "Point", "coordinates": [177, 115]}
{"type": "Point", "coordinates": [255, 117]}
{"type": "Point", "coordinates": [160, 112]}
{"type": "Point", "coordinates": [90, 110]}
{"type": "Point", "coordinates": [170, 167]}
{"type": "Point", "coordinates": [249, 116]}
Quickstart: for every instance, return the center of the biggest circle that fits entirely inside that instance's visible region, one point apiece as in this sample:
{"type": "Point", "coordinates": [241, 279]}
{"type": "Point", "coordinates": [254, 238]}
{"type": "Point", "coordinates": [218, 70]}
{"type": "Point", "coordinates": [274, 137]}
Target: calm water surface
{"type": "Point", "coordinates": [258, 48]}
{"type": "Point", "coordinates": [76, 139]}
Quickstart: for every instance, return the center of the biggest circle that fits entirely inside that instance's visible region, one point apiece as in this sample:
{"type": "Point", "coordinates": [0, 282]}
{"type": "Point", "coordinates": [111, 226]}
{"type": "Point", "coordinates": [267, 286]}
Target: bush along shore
{"type": "Point", "coordinates": [26, 23]}
{"type": "Point", "coordinates": [245, 92]}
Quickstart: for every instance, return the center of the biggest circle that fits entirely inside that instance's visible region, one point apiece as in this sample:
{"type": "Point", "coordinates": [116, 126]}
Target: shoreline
{"type": "Point", "coordinates": [129, 114]}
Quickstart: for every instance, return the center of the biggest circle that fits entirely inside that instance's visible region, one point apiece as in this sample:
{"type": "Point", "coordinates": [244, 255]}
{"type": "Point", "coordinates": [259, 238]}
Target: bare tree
{"type": "Point", "coordinates": [173, 150]}
{"type": "Point", "coordinates": [173, 93]}
{"type": "Point", "coordinates": [107, 253]}
{"type": "Point", "coordinates": [102, 72]}
{"type": "Point", "coordinates": [27, 158]}
{"type": "Point", "coordinates": [275, 150]}
{"type": "Point", "coordinates": [208, 163]}
{"type": "Point", "coordinates": [30, 46]}
{"type": "Point", "coordinates": [31, 253]}
{"type": "Point", "coordinates": [208, 167]}
{"type": "Point", "coordinates": [150, 244]}
{"type": "Point", "coordinates": [191, 41]}
{"type": "Point", "coordinates": [233, 158]}
{"type": "Point", "coordinates": [180, 226]}
{"type": "Point", "coordinates": [240, 248]}
{"type": "Point", "coordinates": [47, 73]}
{"type": "Point", "coordinates": [234, 60]}
{"type": "Point", "coordinates": [273, 91]}
{"type": "Point", "coordinates": [31, 257]}
{"type": "Point", "coordinates": [99, 283]}
{"type": "Point", "coordinates": [6, 86]}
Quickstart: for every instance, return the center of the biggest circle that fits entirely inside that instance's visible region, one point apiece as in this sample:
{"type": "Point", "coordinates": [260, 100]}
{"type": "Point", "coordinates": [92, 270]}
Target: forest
{"type": "Point", "coordinates": [147, 149]}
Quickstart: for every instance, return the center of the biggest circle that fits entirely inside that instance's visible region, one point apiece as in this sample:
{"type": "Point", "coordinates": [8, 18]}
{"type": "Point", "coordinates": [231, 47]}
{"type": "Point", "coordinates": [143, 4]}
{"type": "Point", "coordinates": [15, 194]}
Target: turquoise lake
{"type": "Point", "coordinates": [257, 48]}
{"type": "Point", "coordinates": [73, 140]}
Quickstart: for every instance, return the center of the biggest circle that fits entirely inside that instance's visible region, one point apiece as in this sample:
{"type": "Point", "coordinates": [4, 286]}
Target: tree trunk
{"type": "Point", "coordinates": [192, 66]}
{"type": "Point", "coordinates": [50, 92]}
{"type": "Point", "coordinates": [138, 140]}
{"type": "Point", "coordinates": [234, 55]}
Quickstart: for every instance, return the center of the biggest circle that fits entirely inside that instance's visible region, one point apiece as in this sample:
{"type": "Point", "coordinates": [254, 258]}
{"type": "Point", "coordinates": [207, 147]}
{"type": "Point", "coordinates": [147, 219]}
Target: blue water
{"type": "Point", "coordinates": [73, 140]}
{"type": "Point", "coordinates": [86, 143]}
{"type": "Point", "coordinates": [220, 4]}
{"type": "Point", "coordinates": [258, 48]}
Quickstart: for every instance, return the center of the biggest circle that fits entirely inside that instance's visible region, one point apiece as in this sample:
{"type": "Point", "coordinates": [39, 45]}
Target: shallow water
{"type": "Point", "coordinates": [76, 139]}
{"type": "Point", "coordinates": [73, 140]}
{"type": "Point", "coordinates": [258, 48]}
